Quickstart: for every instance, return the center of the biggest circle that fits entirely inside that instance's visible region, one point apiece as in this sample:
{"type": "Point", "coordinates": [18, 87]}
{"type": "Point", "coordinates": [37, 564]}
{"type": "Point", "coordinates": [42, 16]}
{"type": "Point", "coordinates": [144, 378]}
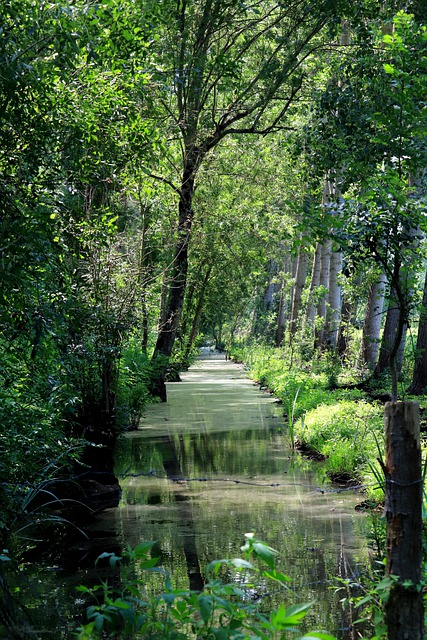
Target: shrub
{"type": "Point", "coordinates": [347, 433]}
{"type": "Point", "coordinates": [134, 379]}
{"type": "Point", "coordinates": [33, 446]}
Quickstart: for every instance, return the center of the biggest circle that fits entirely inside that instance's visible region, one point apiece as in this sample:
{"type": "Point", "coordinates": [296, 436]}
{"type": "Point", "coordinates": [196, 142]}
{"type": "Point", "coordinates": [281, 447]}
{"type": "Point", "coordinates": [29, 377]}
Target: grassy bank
{"type": "Point", "coordinates": [341, 424]}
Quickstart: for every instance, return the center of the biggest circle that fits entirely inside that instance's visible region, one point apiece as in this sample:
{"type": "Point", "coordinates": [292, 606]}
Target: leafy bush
{"type": "Point", "coordinates": [33, 446]}
{"type": "Point", "coordinates": [134, 378]}
{"type": "Point", "coordinates": [347, 433]}
{"type": "Point", "coordinates": [300, 390]}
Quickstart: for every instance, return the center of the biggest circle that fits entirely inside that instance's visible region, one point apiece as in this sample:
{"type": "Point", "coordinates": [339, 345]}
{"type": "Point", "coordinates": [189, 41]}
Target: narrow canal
{"type": "Point", "coordinates": [203, 469]}
{"type": "Point", "coordinates": [213, 463]}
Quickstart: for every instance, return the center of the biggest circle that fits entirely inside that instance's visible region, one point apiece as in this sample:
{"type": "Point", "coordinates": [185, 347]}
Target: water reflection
{"type": "Point", "coordinates": [213, 464]}
{"type": "Point", "coordinates": [205, 468]}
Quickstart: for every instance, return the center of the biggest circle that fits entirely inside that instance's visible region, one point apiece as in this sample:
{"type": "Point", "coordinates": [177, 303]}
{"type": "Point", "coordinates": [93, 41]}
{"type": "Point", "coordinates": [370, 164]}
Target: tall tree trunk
{"type": "Point", "coordinates": [188, 303]}
{"type": "Point", "coordinates": [263, 313]}
{"type": "Point", "coordinates": [300, 278]}
{"type": "Point", "coordinates": [294, 267]}
{"type": "Point", "coordinates": [144, 339]}
{"type": "Point", "coordinates": [393, 339]}
{"type": "Point", "coordinates": [325, 263]}
{"type": "Point", "coordinates": [178, 280]}
{"type": "Point", "coordinates": [282, 309]}
{"type": "Point", "coordinates": [281, 317]}
{"type": "Point", "coordinates": [419, 376]}
{"type": "Point", "coordinates": [334, 299]}
{"type": "Point", "coordinates": [314, 283]}
{"type": "Point", "coordinates": [163, 301]}
{"type": "Point", "coordinates": [343, 339]}
{"type": "Point", "coordinates": [271, 288]}
{"type": "Point", "coordinates": [372, 322]}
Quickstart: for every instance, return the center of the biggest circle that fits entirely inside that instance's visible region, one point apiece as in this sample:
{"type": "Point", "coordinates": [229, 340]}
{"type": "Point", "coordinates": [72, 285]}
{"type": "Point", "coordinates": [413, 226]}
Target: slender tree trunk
{"type": "Point", "coordinates": [188, 303]}
{"type": "Point", "coordinates": [144, 339]}
{"type": "Point", "coordinates": [325, 263]}
{"type": "Point", "coordinates": [334, 299]}
{"type": "Point", "coordinates": [343, 340]}
{"type": "Point", "coordinates": [314, 283]}
{"type": "Point", "coordinates": [372, 323]}
{"type": "Point", "coordinates": [178, 280]}
{"type": "Point", "coordinates": [281, 313]}
{"type": "Point", "coordinates": [281, 317]}
{"type": "Point", "coordinates": [300, 278]}
{"type": "Point", "coordinates": [263, 313]}
{"type": "Point", "coordinates": [335, 294]}
{"type": "Point", "coordinates": [270, 290]}
{"type": "Point", "coordinates": [163, 302]}
{"type": "Point", "coordinates": [419, 376]}
{"type": "Point", "coordinates": [393, 339]}
{"type": "Point", "coordinates": [294, 268]}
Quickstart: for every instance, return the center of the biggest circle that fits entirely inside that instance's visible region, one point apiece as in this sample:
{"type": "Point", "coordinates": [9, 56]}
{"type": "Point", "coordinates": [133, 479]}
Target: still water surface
{"type": "Point", "coordinates": [203, 469]}
{"type": "Point", "coordinates": [214, 463]}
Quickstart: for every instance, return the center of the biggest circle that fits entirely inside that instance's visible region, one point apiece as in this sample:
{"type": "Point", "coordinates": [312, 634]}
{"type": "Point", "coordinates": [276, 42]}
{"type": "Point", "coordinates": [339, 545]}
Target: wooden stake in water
{"type": "Point", "coordinates": [403, 509]}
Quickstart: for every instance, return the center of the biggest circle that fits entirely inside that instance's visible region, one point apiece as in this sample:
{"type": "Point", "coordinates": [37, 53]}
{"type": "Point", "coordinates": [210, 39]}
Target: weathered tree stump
{"type": "Point", "coordinates": [403, 508]}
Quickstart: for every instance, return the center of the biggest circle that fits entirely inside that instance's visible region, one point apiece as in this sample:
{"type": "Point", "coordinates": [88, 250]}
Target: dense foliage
{"type": "Point", "coordinates": [180, 172]}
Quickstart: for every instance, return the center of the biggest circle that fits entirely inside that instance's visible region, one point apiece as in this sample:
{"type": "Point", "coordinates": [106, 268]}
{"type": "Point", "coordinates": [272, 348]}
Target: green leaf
{"type": "Point", "coordinates": [276, 575]}
{"type": "Point", "coordinates": [388, 68]}
{"type": "Point", "coordinates": [240, 563]}
{"type": "Point", "coordinates": [266, 553]}
{"type": "Point", "coordinates": [206, 608]}
{"type": "Point", "coordinates": [121, 604]}
{"type": "Point", "coordinates": [150, 563]}
{"type": "Point", "coordinates": [181, 605]}
{"type": "Point", "coordinates": [141, 550]}
{"type": "Point", "coordinates": [112, 558]}
{"type": "Point", "coordinates": [283, 618]}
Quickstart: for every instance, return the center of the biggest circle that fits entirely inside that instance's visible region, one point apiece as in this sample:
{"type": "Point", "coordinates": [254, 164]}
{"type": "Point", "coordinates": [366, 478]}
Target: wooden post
{"type": "Point", "coordinates": [404, 609]}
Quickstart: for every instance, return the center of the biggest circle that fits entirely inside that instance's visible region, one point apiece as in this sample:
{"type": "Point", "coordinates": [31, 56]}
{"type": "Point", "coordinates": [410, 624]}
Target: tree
{"type": "Point", "coordinates": [64, 145]}
{"type": "Point", "coordinates": [237, 233]}
{"type": "Point", "coordinates": [235, 70]}
{"type": "Point", "coordinates": [372, 322]}
{"type": "Point", "coordinates": [300, 278]}
{"type": "Point", "coordinates": [380, 142]}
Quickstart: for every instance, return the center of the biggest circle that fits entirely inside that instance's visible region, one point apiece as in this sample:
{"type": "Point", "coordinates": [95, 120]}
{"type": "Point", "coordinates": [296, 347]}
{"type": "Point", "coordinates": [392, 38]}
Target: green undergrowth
{"type": "Point", "coordinates": [298, 389]}
{"type": "Point", "coordinates": [350, 435]}
{"type": "Point", "coordinates": [339, 423]}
